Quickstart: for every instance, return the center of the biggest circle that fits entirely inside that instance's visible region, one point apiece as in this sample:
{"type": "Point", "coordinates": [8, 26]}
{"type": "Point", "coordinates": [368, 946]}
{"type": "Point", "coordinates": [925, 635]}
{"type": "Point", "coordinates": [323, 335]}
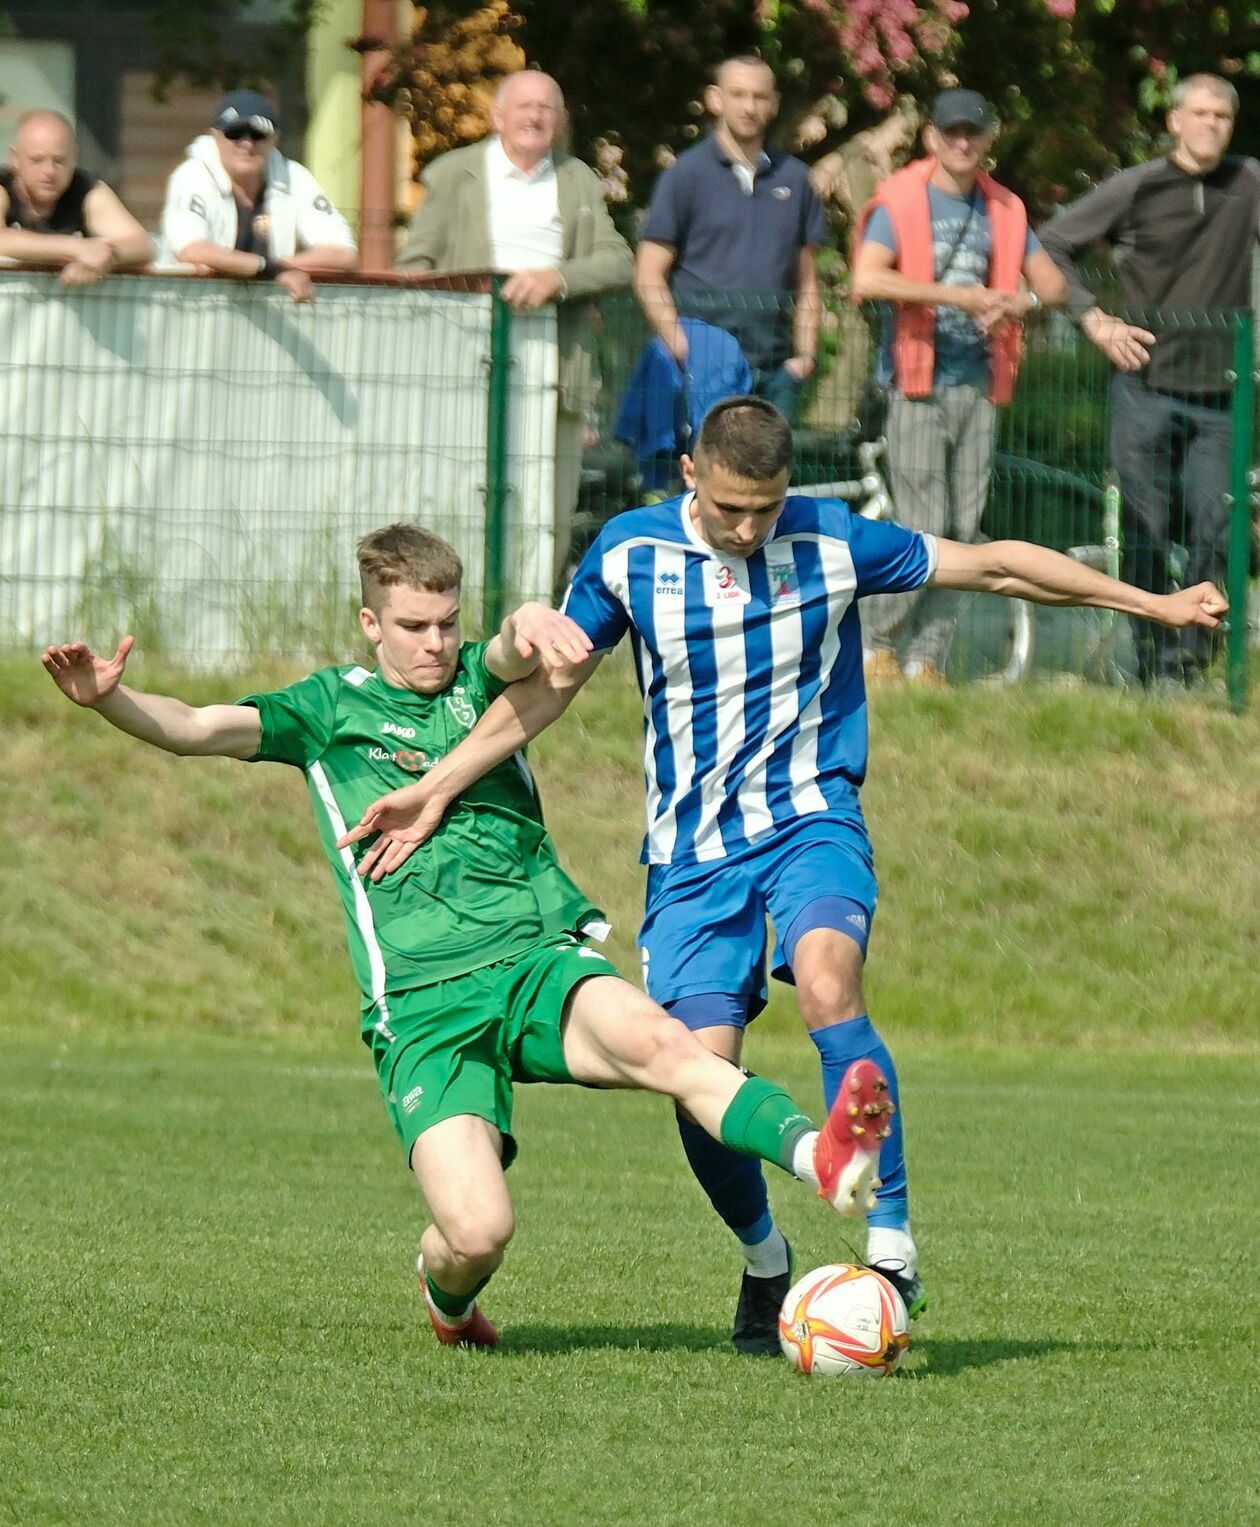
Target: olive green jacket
{"type": "Point", "coordinates": [451, 232]}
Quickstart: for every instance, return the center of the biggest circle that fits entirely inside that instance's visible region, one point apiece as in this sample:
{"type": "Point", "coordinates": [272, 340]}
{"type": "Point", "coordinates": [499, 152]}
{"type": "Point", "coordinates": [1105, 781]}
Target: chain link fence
{"type": "Point", "coordinates": [194, 460]}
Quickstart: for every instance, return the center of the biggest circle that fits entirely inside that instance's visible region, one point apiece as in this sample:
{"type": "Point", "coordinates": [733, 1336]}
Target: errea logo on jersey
{"type": "Point", "coordinates": [392, 729]}
{"type": "Point", "coordinates": [669, 583]}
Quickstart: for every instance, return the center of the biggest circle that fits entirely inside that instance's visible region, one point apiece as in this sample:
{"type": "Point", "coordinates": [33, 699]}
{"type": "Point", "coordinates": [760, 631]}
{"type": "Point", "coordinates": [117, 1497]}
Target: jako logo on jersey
{"type": "Point", "coordinates": [391, 729]}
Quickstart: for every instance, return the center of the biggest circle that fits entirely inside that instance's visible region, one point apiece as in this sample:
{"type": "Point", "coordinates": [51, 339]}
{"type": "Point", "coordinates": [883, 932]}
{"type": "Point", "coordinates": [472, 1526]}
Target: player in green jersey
{"type": "Point", "coordinates": [472, 963]}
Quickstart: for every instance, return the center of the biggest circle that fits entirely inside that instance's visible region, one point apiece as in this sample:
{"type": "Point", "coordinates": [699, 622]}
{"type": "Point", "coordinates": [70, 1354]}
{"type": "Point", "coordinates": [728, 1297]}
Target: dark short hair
{"type": "Point", "coordinates": [408, 556]}
{"type": "Point", "coordinates": [747, 436]}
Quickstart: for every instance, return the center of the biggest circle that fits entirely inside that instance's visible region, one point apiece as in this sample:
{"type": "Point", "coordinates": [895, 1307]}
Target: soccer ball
{"type": "Point", "coordinates": [845, 1321]}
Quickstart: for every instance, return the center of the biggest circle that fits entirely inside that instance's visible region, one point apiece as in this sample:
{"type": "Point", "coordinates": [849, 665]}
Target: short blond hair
{"type": "Point", "coordinates": [408, 556]}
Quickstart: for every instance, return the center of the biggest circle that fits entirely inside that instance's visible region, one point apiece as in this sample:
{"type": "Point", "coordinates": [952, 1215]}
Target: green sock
{"type": "Point", "coordinates": [762, 1120]}
{"type": "Point", "coordinates": [454, 1306]}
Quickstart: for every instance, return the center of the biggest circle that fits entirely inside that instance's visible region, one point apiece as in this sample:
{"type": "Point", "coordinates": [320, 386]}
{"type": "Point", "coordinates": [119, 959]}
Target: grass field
{"type": "Point", "coordinates": [206, 1312]}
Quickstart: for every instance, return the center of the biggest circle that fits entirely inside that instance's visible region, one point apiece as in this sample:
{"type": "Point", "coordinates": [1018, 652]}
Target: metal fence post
{"type": "Point", "coordinates": [1242, 420]}
{"type": "Point", "coordinates": [498, 392]}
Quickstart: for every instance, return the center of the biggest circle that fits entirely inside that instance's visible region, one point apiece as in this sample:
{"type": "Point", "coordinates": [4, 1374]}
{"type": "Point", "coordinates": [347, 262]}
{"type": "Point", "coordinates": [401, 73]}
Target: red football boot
{"type": "Point", "coordinates": [846, 1153]}
{"type": "Point", "coordinates": [473, 1331]}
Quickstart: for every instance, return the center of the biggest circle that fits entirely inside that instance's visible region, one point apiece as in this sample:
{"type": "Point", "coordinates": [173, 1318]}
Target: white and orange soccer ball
{"type": "Point", "coordinates": [844, 1321]}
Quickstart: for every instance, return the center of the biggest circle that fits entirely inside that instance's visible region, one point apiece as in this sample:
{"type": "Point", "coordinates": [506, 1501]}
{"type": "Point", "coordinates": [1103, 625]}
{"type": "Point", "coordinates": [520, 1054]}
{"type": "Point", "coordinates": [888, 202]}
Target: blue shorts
{"type": "Point", "coordinates": [704, 929]}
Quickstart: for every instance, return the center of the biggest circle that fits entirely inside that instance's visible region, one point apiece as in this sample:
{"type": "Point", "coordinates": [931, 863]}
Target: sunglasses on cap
{"type": "Point", "coordinates": [257, 129]}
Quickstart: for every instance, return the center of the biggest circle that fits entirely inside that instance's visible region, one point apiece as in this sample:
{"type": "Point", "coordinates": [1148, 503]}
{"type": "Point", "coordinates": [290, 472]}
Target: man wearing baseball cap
{"type": "Point", "coordinates": [948, 250]}
{"type": "Point", "coordinates": [237, 207]}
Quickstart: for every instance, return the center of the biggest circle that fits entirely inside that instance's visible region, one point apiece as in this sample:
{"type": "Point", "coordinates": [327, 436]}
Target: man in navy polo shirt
{"type": "Point", "coordinates": [730, 239]}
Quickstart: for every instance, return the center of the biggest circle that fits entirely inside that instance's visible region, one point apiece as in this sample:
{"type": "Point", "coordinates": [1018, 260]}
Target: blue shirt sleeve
{"type": "Point", "coordinates": [593, 605]}
{"type": "Point", "coordinates": [666, 220]}
{"type": "Point", "coordinates": [888, 558]}
{"type": "Point", "coordinates": [879, 229]}
{"type": "Point", "coordinates": [1032, 244]}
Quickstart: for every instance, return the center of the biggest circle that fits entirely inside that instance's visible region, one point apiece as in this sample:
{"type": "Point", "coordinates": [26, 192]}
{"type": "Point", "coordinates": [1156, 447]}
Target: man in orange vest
{"type": "Point", "coordinates": [948, 250]}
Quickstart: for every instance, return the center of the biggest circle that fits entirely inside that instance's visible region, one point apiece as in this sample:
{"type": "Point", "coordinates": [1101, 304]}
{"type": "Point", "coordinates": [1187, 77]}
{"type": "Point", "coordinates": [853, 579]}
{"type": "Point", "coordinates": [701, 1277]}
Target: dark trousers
{"type": "Point", "coordinates": [777, 385]}
{"type": "Point", "coordinates": [1171, 455]}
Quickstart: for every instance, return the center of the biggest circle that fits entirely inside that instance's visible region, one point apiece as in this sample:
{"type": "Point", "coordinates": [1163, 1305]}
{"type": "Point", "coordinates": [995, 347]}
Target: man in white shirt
{"type": "Point", "coordinates": [237, 207]}
{"type": "Point", "coordinates": [517, 204]}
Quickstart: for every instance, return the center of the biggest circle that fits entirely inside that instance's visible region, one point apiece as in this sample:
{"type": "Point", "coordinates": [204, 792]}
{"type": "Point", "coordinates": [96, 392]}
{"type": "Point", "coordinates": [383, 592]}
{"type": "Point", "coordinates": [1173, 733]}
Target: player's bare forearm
{"type": "Point", "coordinates": [227, 731]}
{"type": "Point", "coordinates": [515, 718]}
{"type": "Point", "coordinates": [1020, 570]}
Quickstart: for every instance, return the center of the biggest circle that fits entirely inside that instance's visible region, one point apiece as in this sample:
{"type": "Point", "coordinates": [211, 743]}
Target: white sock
{"type": "Point", "coordinates": [768, 1258]}
{"type": "Point", "coordinates": [886, 1244]}
{"type": "Point", "coordinates": [803, 1159]}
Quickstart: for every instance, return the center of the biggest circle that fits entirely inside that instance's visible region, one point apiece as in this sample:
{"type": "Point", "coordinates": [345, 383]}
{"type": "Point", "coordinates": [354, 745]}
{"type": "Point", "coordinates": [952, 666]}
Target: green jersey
{"type": "Point", "coordinates": [485, 887]}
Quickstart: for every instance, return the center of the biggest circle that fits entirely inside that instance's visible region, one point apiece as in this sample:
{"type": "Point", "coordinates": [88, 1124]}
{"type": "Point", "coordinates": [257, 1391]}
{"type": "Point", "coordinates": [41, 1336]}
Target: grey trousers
{"type": "Point", "coordinates": [940, 455]}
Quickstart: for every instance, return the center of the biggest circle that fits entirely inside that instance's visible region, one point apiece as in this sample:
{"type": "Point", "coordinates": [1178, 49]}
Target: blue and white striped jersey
{"type": "Point", "coordinates": [754, 705]}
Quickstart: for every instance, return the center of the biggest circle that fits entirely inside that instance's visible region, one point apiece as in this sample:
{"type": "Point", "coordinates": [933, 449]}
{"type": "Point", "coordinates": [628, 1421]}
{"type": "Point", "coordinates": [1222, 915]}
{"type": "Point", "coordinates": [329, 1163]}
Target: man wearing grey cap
{"type": "Point", "coordinates": [237, 207]}
{"type": "Point", "coordinates": [949, 251]}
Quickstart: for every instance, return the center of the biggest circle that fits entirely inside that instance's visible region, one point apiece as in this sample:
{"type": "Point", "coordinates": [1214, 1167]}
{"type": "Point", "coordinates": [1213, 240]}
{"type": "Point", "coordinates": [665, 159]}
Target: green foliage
{"type": "Point", "coordinates": [200, 43]}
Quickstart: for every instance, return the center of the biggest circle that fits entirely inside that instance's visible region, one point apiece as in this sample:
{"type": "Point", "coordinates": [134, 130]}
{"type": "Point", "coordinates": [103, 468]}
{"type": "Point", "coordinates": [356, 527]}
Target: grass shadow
{"type": "Point", "coordinates": [946, 1357]}
{"type": "Point", "coordinates": [651, 1338]}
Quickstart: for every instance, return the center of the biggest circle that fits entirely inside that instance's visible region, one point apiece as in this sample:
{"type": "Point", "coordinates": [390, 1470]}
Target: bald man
{"type": "Point", "coordinates": [517, 204]}
{"type": "Point", "coordinates": [53, 213]}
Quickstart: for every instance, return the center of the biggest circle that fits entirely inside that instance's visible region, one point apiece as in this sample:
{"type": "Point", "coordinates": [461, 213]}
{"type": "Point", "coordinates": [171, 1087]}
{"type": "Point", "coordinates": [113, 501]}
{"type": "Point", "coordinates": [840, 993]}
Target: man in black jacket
{"type": "Point", "coordinates": [1183, 228]}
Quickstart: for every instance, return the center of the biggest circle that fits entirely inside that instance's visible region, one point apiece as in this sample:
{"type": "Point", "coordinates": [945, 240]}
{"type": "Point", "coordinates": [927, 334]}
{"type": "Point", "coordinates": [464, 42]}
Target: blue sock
{"type": "Point", "coordinates": [735, 1184]}
{"type": "Point", "coordinates": [839, 1045]}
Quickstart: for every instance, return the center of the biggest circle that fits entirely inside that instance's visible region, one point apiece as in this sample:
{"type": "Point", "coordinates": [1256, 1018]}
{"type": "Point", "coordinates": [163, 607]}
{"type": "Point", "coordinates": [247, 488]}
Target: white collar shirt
{"type": "Point", "coordinates": [525, 228]}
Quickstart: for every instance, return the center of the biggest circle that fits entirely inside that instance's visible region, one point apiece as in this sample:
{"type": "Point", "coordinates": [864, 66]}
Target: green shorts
{"type": "Point", "coordinates": [457, 1046]}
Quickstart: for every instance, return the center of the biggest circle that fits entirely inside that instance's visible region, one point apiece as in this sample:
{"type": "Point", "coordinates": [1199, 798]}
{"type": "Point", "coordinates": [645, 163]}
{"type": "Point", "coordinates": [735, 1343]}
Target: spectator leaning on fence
{"type": "Point", "coordinates": [730, 238]}
{"type": "Point", "coordinates": [516, 203]}
{"type": "Point", "coordinates": [1184, 228]}
{"type": "Point", "coordinates": [947, 248]}
{"type": "Point", "coordinates": [237, 207]}
{"type": "Point", "coordinates": [53, 213]}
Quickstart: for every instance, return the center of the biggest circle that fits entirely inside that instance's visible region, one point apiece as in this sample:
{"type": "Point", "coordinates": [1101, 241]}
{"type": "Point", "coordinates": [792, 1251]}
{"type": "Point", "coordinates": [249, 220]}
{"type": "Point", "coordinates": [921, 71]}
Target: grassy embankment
{"type": "Point", "coordinates": [1057, 866]}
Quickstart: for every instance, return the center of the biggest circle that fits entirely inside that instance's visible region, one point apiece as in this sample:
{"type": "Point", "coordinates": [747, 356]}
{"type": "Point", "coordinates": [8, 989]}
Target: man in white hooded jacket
{"type": "Point", "coordinates": [237, 207]}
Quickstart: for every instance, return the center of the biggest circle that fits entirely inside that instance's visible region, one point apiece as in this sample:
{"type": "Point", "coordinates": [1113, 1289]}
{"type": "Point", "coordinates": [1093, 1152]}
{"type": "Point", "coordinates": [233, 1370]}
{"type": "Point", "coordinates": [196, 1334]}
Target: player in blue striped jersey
{"type": "Point", "coordinates": [741, 604]}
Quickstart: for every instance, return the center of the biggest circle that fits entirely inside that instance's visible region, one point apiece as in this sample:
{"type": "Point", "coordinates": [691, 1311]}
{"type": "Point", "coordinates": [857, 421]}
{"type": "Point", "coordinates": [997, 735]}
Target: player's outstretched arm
{"type": "Point", "coordinates": [1021, 570]}
{"type": "Point", "coordinates": [227, 731]}
{"type": "Point", "coordinates": [408, 817]}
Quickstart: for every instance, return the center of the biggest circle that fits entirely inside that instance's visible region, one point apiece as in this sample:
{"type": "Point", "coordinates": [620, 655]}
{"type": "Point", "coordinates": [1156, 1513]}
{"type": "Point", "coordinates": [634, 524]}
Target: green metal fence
{"type": "Point", "coordinates": [197, 459]}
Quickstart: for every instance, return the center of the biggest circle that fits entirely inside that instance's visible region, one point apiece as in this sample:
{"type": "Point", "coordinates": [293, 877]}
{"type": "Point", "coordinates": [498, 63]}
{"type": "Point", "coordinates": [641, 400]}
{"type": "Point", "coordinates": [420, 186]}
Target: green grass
{"type": "Point", "coordinates": [206, 1312]}
{"type": "Point", "coordinates": [209, 1316]}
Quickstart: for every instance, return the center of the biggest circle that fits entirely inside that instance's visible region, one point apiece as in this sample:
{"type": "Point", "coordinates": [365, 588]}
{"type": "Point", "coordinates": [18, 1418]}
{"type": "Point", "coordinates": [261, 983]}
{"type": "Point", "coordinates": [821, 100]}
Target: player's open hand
{"type": "Point", "coordinates": [555, 640]}
{"type": "Point", "coordinates": [82, 676]}
{"type": "Point", "coordinates": [1202, 605]}
{"type": "Point", "coordinates": [403, 820]}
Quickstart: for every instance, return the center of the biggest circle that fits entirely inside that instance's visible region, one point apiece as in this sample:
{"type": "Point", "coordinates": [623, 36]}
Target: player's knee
{"type": "Point", "coordinates": [480, 1240]}
{"type": "Point", "coordinates": [673, 1051]}
{"type": "Point", "coordinates": [828, 996]}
